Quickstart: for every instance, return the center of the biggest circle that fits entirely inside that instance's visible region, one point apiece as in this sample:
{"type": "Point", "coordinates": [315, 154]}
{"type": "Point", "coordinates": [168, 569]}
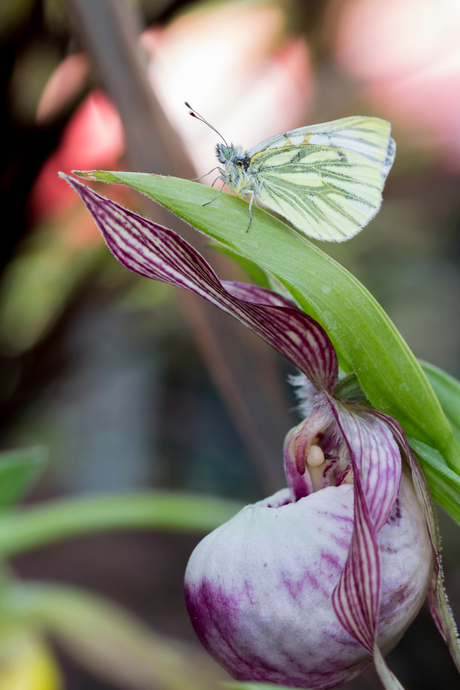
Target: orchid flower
{"type": "Point", "coordinates": [306, 587]}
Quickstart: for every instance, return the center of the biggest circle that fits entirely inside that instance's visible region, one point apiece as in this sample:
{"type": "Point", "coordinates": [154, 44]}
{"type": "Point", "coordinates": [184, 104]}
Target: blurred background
{"type": "Point", "coordinates": [126, 382]}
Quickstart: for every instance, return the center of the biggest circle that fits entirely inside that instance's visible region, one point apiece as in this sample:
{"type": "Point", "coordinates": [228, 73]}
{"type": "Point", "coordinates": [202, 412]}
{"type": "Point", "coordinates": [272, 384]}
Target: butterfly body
{"type": "Point", "coordinates": [326, 180]}
{"type": "Point", "coordinates": [238, 175]}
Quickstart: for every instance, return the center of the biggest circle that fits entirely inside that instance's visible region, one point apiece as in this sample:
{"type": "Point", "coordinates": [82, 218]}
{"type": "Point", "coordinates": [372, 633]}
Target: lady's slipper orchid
{"type": "Point", "coordinates": [307, 586]}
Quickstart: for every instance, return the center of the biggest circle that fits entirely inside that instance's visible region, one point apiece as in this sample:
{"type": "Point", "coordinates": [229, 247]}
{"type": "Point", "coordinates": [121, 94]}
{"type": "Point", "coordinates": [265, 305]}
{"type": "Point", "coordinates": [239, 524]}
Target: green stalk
{"type": "Point", "coordinates": [33, 527]}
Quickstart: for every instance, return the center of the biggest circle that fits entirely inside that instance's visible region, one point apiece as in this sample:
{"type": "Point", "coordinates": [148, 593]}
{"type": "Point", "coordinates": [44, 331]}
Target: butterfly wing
{"type": "Point", "coordinates": [327, 179]}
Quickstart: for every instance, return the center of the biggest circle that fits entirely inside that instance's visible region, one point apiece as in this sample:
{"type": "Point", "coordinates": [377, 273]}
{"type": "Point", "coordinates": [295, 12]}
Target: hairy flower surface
{"type": "Point", "coordinates": [306, 587]}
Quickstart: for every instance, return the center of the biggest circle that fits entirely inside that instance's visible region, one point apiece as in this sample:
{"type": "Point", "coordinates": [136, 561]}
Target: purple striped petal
{"type": "Point", "coordinates": [376, 465]}
{"type": "Point", "coordinates": [256, 294]}
{"type": "Point", "coordinates": [300, 485]}
{"type": "Point", "coordinates": [356, 598]}
{"type": "Point", "coordinates": [437, 597]}
{"type": "Point", "coordinates": [296, 446]}
{"type": "Point", "coordinates": [159, 253]}
{"type": "Point", "coordinates": [375, 457]}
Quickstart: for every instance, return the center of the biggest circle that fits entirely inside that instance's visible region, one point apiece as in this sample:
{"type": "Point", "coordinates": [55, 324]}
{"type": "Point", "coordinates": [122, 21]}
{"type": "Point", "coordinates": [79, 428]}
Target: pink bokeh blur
{"type": "Point", "coordinates": [405, 54]}
{"type": "Point", "coordinates": [250, 81]}
{"type": "Point", "coordinates": [93, 138]}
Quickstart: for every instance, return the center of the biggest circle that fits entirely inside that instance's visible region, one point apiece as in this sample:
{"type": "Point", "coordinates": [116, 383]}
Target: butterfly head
{"type": "Point", "coordinates": [225, 153]}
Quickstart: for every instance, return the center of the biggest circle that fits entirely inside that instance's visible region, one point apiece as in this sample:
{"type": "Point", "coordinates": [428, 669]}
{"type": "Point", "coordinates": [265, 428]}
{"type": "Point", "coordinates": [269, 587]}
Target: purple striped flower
{"type": "Point", "coordinates": [309, 586]}
{"type": "Point", "coordinates": [298, 588]}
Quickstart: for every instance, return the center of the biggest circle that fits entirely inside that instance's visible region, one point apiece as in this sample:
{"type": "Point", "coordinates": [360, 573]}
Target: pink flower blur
{"type": "Point", "coordinates": [406, 53]}
{"type": "Point", "coordinates": [93, 138]}
{"type": "Point", "coordinates": [62, 87]}
{"type": "Point", "coordinates": [234, 65]}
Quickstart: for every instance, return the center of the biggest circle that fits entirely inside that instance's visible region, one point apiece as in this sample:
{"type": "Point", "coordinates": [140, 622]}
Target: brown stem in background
{"type": "Point", "coordinates": [241, 366]}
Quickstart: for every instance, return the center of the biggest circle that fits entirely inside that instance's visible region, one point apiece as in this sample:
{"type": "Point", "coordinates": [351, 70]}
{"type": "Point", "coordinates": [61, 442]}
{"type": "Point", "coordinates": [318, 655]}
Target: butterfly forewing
{"type": "Point", "coordinates": [326, 179]}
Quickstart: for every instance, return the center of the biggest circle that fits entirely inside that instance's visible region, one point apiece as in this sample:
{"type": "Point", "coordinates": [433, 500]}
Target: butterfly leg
{"type": "Point", "coordinates": [250, 211]}
{"type": "Point", "coordinates": [208, 173]}
{"type": "Point", "coordinates": [214, 181]}
{"type": "Point", "coordinates": [218, 195]}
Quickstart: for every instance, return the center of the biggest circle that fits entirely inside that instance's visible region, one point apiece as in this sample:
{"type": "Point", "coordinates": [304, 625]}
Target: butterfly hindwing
{"type": "Point", "coordinates": [325, 192]}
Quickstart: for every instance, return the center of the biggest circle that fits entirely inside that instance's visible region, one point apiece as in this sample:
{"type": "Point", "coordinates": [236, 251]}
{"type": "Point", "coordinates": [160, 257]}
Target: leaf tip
{"type": "Point", "coordinates": [87, 174]}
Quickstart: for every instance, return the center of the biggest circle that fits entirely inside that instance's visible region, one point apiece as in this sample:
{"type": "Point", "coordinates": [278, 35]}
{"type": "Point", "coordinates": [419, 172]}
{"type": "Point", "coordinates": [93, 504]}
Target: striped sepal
{"type": "Point", "coordinates": [376, 465]}
{"type": "Point", "coordinates": [159, 253]}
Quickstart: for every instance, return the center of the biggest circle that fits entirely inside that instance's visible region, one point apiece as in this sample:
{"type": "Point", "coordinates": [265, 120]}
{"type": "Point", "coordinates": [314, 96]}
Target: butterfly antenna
{"type": "Point", "coordinates": [196, 115]}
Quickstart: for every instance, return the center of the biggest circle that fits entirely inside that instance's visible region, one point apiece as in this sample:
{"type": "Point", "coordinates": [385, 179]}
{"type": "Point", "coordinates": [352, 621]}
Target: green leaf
{"type": "Point", "coordinates": [64, 518]}
{"type": "Point", "coordinates": [448, 391]}
{"type": "Point", "coordinates": [349, 389]}
{"type": "Point", "coordinates": [362, 333]}
{"type": "Point", "coordinates": [444, 484]}
{"type": "Point", "coordinates": [109, 640]}
{"type": "Point", "coordinates": [257, 274]}
{"type": "Point", "coordinates": [19, 470]}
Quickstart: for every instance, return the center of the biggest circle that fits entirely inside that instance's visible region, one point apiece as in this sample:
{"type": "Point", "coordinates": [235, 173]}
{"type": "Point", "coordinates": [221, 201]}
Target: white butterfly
{"type": "Point", "coordinates": [326, 180]}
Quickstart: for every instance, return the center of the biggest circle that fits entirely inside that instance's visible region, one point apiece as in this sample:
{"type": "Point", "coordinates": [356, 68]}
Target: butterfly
{"type": "Point", "coordinates": [326, 179]}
